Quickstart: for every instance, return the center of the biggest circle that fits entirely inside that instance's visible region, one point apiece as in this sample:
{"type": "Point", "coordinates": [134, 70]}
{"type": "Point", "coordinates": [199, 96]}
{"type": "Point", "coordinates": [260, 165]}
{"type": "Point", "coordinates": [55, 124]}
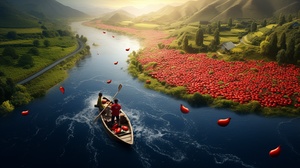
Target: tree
{"type": "Point", "coordinates": [290, 51]}
{"type": "Point", "coordinates": [273, 49]}
{"type": "Point", "coordinates": [12, 35]}
{"type": "Point", "coordinates": [230, 22]}
{"type": "Point", "coordinates": [199, 37]}
{"type": "Point", "coordinates": [264, 23]}
{"type": "Point", "coordinates": [219, 25]}
{"type": "Point", "coordinates": [83, 39]}
{"type": "Point", "coordinates": [217, 37]}
{"type": "Point", "coordinates": [21, 96]}
{"type": "Point", "coordinates": [6, 106]}
{"type": "Point", "coordinates": [36, 43]}
{"type": "Point", "coordinates": [209, 29]}
{"type": "Point", "coordinates": [282, 41]}
{"type": "Point", "coordinates": [281, 20]}
{"type": "Point", "coordinates": [253, 27]}
{"type": "Point", "coordinates": [213, 46]}
{"type": "Point", "coordinates": [10, 51]}
{"type": "Point", "coordinates": [290, 18]}
{"type": "Point", "coordinates": [297, 52]}
{"type": "Point", "coordinates": [34, 51]}
{"type": "Point", "coordinates": [26, 61]}
{"type": "Point", "coordinates": [185, 43]}
{"type": "Point", "coordinates": [2, 91]}
{"type": "Point", "coordinates": [280, 57]}
{"type": "Point", "coordinates": [9, 88]}
{"type": "Point", "coordinates": [46, 43]}
{"type": "Point", "coordinates": [264, 47]}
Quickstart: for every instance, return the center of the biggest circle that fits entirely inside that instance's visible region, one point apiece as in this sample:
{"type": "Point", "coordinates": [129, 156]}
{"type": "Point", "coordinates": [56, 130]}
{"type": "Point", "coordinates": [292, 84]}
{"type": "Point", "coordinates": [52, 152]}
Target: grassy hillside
{"type": "Point", "coordinates": [116, 17]}
{"type": "Point", "coordinates": [10, 17]}
{"type": "Point", "coordinates": [50, 9]}
{"type": "Point", "coordinates": [220, 10]}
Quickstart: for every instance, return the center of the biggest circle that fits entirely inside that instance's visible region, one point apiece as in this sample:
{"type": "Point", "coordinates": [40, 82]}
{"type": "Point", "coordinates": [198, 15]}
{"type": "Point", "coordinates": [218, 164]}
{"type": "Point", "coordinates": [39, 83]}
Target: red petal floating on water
{"type": "Point", "coordinates": [25, 112]}
{"type": "Point", "coordinates": [62, 89]}
{"type": "Point", "coordinates": [275, 152]}
{"type": "Point", "coordinates": [184, 109]}
{"type": "Point", "coordinates": [224, 122]}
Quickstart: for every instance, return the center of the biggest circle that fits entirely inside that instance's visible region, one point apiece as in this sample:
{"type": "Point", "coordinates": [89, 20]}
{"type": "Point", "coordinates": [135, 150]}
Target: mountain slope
{"type": "Point", "coordinates": [10, 17]}
{"type": "Point", "coordinates": [116, 16]}
{"type": "Point", "coordinates": [221, 10]}
{"type": "Point", "coordinates": [47, 8]}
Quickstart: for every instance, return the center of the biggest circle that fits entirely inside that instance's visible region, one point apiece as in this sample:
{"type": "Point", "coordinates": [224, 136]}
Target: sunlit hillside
{"type": "Point", "coordinates": [116, 16]}
{"type": "Point", "coordinates": [222, 10]}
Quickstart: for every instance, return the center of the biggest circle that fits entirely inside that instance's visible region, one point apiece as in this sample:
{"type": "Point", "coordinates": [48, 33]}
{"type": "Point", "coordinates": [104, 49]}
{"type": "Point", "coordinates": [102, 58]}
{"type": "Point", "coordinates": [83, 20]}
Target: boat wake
{"type": "Point", "coordinates": [84, 118]}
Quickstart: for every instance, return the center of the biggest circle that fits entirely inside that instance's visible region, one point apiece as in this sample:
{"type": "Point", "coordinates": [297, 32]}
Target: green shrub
{"type": "Point", "coordinates": [223, 103]}
{"type": "Point", "coordinates": [197, 99]}
{"type": "Point", "coordinates": [6, 106]}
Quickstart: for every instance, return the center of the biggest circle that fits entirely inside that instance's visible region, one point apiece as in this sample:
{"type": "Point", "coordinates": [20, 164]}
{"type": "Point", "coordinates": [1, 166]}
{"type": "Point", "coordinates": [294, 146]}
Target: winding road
{"type": "Point", "coordinates": [79, 48]}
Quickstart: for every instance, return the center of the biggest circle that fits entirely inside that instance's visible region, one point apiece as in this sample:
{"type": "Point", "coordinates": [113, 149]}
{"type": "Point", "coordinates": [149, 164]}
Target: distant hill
{"type": "Point", "coordinates": [50, 9]}
{"type": "Point", "coordinates": [221, 10]}
{"type": "Point", "coordinates": [10, 17]}
{"type": "Point", "coordinates": [116, 16]}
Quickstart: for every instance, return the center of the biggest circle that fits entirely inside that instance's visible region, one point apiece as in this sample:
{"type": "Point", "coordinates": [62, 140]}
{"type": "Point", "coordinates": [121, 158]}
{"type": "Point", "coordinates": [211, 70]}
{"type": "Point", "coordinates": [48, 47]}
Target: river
{"type": "Point", "coordinates": [59, 130]}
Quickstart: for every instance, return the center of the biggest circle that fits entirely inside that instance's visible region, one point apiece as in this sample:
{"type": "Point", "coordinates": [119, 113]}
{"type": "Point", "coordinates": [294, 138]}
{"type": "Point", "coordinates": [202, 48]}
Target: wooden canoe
{"type": "Point", "coordinates": [124, 133]}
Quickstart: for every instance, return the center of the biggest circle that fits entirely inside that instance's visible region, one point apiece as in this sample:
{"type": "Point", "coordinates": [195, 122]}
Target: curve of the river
{"type": "Point", "coordinates": [59, 130]}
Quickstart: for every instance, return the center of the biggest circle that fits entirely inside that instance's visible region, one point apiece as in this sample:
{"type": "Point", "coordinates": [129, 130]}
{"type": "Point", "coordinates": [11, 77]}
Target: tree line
{"type": "Point", "coordinates": [280, 47]}
{"type": "Point", "coordinates": [11, 94]}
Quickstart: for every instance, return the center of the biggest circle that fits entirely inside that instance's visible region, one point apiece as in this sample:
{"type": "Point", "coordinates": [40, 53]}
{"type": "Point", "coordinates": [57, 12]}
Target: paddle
{"type": "Point", "coordinates": [97, 117]}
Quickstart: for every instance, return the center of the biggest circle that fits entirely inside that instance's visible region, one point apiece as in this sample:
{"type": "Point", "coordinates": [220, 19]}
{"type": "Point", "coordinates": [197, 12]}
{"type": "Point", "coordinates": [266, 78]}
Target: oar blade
{"type": "Point", "coordinates": [120, 87]}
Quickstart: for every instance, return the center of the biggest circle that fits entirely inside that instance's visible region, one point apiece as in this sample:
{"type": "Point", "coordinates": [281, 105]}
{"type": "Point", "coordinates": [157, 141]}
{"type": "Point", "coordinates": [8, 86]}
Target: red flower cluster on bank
{"type": "Point", "coordinates": [241, 81]}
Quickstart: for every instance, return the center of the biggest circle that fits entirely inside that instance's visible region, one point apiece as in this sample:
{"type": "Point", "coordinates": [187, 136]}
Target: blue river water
{"type": "Point", "coordinates": [59, 130]}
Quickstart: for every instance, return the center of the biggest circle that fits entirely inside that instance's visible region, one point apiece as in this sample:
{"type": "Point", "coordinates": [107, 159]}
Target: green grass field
{"type": "Point", "coordinates": [59, 48]}
{"type": "Point", "coordinates": [20, 30]}
{"type": "Point", "coordinates": [139, 25]}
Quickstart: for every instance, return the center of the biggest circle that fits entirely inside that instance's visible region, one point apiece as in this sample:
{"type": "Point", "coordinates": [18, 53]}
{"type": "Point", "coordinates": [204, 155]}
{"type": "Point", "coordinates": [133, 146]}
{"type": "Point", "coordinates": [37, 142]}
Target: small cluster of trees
{"type": "Point", "coordinates": [12, 95]}
{"type": "Point", "coordinates": [199, 39]}
{"type": "Point", "coordinates": [26, 61]}
{"type": "Point", "coordinates": [281, 48]}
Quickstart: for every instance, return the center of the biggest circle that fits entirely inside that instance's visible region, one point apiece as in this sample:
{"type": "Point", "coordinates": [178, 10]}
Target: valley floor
{"type": "Point", "coordinates": [275, 88]}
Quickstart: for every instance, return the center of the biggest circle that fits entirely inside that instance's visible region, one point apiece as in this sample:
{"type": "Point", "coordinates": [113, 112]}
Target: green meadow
{"type": "Point", "coordinates": [59, 47]}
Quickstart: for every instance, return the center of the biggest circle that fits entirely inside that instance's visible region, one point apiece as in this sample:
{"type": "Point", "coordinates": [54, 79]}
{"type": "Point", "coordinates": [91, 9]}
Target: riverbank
{"type": "Point", "coordinates": [39, 86]}
{"type": "Point", "coordinates": [260, 87]}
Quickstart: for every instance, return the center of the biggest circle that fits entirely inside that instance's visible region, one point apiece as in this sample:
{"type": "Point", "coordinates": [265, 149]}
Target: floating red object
{"type": "Point", "coordinates": [25, 112]}
{"type": "Point", "coordinates": [104, 32]}
{"type": "Point", "coordinates": [116, 62]}
{"type": "Point", "coordinates": [184, 109]}
{"type": "Point", "coordinates": [275, 152]}
{"type": "Point", "coordinates": [127, 49]}
{"type": "Point", "coordinates": [108, 81]}
{"type": "Point", "coordinates": [224, 122]}
{"type": "Point", "coordinates": [62, 89]}
{"type": "Point", "coordinates": [113, 36]}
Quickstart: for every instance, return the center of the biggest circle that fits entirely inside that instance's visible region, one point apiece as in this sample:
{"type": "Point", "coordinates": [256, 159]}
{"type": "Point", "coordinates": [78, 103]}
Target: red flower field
{"type": "Point", "coordinates": [241, 81]}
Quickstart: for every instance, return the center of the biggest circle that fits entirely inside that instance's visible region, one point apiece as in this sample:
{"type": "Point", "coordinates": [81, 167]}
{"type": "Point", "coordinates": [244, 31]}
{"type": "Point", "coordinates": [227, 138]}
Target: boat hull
{"type": "Point", "coordinates": [124, 136]}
